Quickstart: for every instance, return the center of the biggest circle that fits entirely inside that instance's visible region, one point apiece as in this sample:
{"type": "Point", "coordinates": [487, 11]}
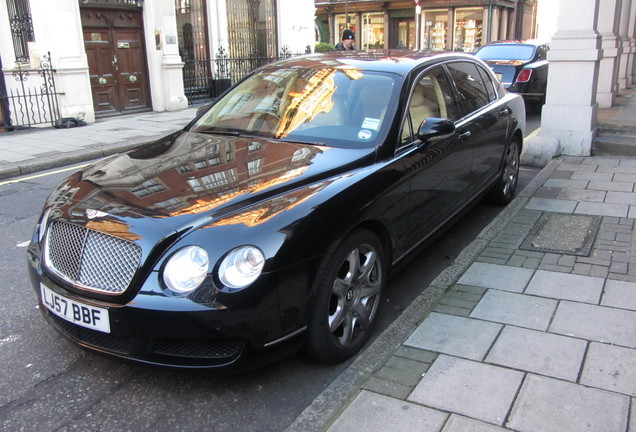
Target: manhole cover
{"type": "Point", "coordinates": [563, 234]}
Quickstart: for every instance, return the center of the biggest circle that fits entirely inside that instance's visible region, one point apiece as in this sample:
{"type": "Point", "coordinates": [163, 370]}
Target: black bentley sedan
{"type": "Point", "coordinates": [274, 219]}
{"type": "Point", "coordinates": [522, 67]}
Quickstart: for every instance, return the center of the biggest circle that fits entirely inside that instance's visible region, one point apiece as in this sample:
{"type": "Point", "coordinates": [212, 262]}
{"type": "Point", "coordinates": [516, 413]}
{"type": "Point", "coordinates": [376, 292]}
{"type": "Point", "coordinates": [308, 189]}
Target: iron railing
{"type": "Point", "coordinates": [204, 80]}
{"type": "Point", "coordinates": [31, 97]}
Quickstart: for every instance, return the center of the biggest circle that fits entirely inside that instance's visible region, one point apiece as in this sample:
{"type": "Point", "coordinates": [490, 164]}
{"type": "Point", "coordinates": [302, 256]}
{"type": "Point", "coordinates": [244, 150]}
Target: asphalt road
{"type": "Point", "coordinates": [50, 385]}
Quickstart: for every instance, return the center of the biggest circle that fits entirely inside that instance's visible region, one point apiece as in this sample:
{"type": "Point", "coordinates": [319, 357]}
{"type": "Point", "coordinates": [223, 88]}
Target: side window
{"type": "Point", "coordinates": [472, 91]}
{"type": "Point", "coordinates": [490, 87]}
{"type": "Point", "coordinates": [431, 97]}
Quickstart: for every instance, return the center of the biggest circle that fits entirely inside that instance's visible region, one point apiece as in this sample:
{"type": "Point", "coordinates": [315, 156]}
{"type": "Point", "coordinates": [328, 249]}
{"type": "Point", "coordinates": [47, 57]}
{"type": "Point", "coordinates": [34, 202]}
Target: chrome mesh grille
{"type": "Point", "coordinates": [94, 260]}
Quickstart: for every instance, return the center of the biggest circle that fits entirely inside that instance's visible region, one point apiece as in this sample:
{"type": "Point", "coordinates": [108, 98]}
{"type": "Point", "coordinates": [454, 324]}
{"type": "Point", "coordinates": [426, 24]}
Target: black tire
{"type": "Point", "coordinates": [503, 191]}
{"type": "Point", "coordinates": [347, 298]}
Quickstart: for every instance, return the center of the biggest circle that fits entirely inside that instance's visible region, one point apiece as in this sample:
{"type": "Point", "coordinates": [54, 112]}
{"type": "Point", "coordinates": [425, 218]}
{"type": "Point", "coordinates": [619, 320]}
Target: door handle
{"type": "Point", "coordinates": [464, 136]}
{"type": "Point", "coordinates": [503, 113]}
{"type": "Point", "coordinates": [115, 63]}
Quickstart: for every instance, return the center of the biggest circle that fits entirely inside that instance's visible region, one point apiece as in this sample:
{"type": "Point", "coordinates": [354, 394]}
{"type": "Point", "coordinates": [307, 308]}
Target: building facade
{"type": "Point", "coordinates": [441, 25]}
{"type": "Point", "coordinates": [95, 58]}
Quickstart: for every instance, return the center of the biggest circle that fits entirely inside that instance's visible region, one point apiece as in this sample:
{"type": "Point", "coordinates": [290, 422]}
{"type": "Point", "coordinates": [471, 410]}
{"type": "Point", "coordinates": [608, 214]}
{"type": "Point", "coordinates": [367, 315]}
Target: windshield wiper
{"type": "Point", "coordinates": [295, 141]}
{"type": "Point", "coordinates": [220, 131]}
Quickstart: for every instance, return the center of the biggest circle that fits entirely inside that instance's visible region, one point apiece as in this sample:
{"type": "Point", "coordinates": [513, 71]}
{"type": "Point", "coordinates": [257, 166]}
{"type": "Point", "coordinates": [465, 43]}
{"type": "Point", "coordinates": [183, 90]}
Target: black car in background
{"type": "Point", "coordinates": [522, 67]}
{"type": "Point", "coordinates": [275, 218]}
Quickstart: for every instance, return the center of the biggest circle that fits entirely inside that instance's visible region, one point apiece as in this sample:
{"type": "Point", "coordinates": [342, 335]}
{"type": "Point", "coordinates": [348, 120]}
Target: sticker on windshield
{"type": "Point", "coordinates": [371, 123]}
{"type": "Point", "coordinates": [365, 134]}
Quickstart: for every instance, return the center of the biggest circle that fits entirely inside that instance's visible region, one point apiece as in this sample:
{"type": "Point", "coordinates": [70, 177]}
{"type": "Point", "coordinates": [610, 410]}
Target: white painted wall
{"type": "Point", "coordinates": [296, 25]}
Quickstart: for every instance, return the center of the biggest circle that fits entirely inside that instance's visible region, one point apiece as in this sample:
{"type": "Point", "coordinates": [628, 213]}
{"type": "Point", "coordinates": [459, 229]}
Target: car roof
{"type": "Point", "coordinates": [396, 61]}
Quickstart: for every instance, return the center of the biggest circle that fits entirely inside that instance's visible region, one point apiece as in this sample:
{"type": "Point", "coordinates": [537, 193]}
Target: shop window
{"type": "Point", "coordinates": [468, 29]}
{"type": "Point", "coordinates": [372, 33]}
{"type": "Point", "coordinates": [406, 35]}
{"type": "Point", "coordinates": [21, 28]}
{"type": "Point", "coordinates": [342, 22]}
{"type": "Point", "coordinates": [435, 30]}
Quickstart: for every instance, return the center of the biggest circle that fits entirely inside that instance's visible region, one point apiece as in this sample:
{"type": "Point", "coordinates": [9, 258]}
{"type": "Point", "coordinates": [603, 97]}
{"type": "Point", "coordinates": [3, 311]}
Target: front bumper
{"type": "Point", "coordinates": [161, 333]}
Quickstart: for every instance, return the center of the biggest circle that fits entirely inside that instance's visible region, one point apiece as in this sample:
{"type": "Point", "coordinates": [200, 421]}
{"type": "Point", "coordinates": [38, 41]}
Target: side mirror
{"type": "Point", "coordinates": [435, 129]}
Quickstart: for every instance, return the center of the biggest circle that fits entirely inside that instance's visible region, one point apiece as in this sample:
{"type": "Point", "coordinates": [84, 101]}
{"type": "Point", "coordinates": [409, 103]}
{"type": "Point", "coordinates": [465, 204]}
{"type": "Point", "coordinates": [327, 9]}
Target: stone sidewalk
{"type": "Point", "coordinates": [38, 149]}
{"type": "Point", "coordinates": [532, 329]}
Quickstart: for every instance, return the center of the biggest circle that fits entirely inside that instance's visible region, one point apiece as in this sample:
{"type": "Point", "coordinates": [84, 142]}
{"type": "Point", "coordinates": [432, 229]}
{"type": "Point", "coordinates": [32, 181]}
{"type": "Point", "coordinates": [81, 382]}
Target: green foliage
{"type": "Point", "coordinates": [324, 47]}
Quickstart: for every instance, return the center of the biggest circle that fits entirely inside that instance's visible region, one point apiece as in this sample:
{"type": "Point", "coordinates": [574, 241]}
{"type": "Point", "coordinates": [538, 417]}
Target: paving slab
{"type": "Point", "coordinates": [602, 209]}
{"type": "Point", "coordinates": [458, 423]}
{"type": "Point", "coordinates": [515, 309]}
{"type": "Point", "coordinates": [549, 405]}
{"type": "Point", "coordinates": [458, 336]}
{"type": "Point", "coordinates": [595, 323]}
{"type": "Point", "coordinates": [476, 390]}
{"type": "Point", "coordinates": [611, 186]}
{"type": "Point", "coordinates": [539, 352]}
{"type": "Point", "coordinates": [566, 286]}
{"type": "Point", "coordinates": [496, 276]}
{"type": "Point", "coordinates": [620, 294]}
{"type": "Point", "coordinates": [551, 205]}
{"type": "Point", "coordinates": [371, 412]}
{"type": "Point", "coordinates": [581, 195]}
{"type": "Point", "coordinates": [611, 368]}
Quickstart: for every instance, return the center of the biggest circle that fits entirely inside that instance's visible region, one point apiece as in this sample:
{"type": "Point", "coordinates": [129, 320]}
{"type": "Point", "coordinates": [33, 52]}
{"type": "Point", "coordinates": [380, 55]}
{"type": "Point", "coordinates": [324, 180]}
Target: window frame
{"type": "Point", "coordinates": [21, 27]}
{"type": "Point", "coordinates": [406, 115]}
{"type": "Point", "coordinates": [458, 94]}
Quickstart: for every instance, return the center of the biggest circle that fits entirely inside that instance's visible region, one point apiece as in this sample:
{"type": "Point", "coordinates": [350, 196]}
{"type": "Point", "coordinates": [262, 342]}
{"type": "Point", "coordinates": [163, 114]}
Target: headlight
{"type": "Point", "coordinates": [42, 226]}
{"type": "Point", "coordinates": [241, 267]}
{"type": "Point", "coordinates": [186, 269]}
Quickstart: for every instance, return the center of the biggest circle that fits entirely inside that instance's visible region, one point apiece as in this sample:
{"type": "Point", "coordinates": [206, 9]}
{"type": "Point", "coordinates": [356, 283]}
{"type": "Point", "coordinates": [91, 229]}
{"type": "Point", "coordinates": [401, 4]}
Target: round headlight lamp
{"type": "Point", "coordinates": [186, 269]}
{"type": "Point", "coordinates": [241, 267]}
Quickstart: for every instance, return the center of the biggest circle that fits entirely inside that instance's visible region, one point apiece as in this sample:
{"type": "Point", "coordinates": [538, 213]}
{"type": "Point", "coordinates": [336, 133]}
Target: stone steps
{"type": "Point", "coordinates": [615, 141]}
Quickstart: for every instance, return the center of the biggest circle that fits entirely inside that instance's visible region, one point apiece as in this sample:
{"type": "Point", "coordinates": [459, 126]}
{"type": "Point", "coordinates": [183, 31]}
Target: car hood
{"type": "Point", "coordinates": [187, 179]}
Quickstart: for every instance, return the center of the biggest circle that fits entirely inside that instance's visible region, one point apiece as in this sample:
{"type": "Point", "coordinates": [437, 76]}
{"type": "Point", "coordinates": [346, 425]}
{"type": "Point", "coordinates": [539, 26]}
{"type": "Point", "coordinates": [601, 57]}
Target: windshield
{"type": "Point", "coordinates": [506, 52]}
{"type": "Point", "coordinates": [324, 106]}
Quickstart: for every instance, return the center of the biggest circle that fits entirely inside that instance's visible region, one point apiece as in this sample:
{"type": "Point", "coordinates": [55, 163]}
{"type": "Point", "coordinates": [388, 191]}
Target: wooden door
{"type": "Point", "coordinates": [116, 61]}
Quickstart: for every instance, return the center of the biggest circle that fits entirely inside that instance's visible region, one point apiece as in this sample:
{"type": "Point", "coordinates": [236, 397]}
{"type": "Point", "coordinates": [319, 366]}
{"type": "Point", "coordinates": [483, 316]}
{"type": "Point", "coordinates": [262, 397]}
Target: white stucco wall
{"type": "Point", "coordinates": [296, 25]}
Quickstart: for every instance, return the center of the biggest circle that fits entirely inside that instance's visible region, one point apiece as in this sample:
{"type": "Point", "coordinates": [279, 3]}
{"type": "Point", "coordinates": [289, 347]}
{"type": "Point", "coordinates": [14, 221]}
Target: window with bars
{"type": "Point", "coordinates": [21, 28]}
{"type": "Point", "coordinates": [251, 28]}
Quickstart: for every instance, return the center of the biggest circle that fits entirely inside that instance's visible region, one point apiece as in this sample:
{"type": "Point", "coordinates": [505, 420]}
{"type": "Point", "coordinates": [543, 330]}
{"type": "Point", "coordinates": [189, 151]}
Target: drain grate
{"type": "Point", "coordinates": [563, 234]}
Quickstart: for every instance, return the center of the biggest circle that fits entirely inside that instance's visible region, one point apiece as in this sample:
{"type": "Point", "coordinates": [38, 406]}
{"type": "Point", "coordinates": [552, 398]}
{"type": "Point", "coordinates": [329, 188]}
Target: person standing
{"type": "Point", "coordinates": [346, 44]}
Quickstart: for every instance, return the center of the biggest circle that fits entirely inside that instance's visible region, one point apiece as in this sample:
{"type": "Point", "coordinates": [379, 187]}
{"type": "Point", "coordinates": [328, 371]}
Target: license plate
{"type": "Point", "coordinates": [499, 77]}
{"type": "Point", "coordinates": [78, 313]}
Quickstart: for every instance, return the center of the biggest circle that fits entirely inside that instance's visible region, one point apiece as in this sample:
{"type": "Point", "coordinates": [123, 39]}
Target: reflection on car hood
{"type": "Point", "coordinates": [187, 176]}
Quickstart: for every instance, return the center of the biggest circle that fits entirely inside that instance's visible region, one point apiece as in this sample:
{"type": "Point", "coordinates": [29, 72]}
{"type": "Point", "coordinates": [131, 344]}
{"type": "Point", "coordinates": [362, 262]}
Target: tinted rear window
{"type": "Point", "coordinates": [506, 52]}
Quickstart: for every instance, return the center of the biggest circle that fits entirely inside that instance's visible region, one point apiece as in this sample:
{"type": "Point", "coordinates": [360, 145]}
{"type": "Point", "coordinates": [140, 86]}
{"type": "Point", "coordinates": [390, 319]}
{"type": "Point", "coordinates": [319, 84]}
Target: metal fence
{"type": "Point", "coordinates": [31, 97]}
{"type": "Point", "coordinates": [204, 80]}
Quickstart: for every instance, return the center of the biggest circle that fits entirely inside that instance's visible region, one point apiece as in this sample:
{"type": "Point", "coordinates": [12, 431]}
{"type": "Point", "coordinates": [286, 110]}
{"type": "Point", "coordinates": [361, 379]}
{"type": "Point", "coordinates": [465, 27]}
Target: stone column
{"type": "Point", "coordinates": [165, 67]}
{"type": "Point", "coordinates": [625, 41]}
{"type": "Point", "coordinates": [631, 73]}
{"type": "Point", "coordinates": [570, 110]}
{"type": "Point", "coordinates": [608, 25]}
